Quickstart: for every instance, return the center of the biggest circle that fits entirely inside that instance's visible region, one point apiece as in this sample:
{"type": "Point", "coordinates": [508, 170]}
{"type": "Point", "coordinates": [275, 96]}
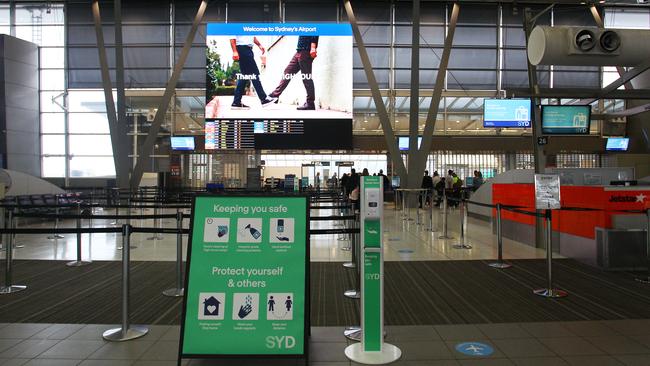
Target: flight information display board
{"type": "Point", "coordinates": [285, 72]}
{"type": "Point", "coordinates": [240, 134]}
{"type": "Point", "coordinates": [566, 119]}
{"type": "Point", "coordinates": [247, 278]}
{"type": "Point", "coordinates": [506, 113]}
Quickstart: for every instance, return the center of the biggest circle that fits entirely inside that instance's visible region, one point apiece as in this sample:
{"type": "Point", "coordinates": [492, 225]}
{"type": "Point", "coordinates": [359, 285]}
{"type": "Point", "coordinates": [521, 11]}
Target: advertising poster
{"type": "Point", "coordinates": [246, 278]}
{"type": "Point", "coordinates": [265, 78]}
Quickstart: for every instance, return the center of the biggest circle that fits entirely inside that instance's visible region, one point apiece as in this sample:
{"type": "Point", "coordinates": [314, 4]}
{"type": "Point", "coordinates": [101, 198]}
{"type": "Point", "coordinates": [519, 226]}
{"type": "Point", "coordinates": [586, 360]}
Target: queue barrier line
{"type": "Point", "coordinates": [88, 205]}
{"type": "Point", "coordinates": [331, 218]}
{"type": "Point", "coordinates": [329, 207]}
{"type": "Point", "coordinates": [93, 216]}
{"type": "Point", "coordinates": [333, 231]}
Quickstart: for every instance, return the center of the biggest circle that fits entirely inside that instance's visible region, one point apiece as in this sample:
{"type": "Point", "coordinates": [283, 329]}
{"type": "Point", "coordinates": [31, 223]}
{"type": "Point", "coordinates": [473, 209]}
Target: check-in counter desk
{"type": "Point", "coordinates": [603, 234]}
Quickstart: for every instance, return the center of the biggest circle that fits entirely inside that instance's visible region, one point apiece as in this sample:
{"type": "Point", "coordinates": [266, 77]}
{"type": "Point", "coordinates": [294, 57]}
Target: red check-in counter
{"type": "Point", "coordinates": [607, 202]}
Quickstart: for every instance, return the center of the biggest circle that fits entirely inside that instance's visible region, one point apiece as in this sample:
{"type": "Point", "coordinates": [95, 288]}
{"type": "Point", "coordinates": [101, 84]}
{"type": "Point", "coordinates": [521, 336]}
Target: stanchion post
{"type": "Point", "coordinates": [445, 213]}
{"type": "Point", "coordinates": [500, 264]}
{"type": "Point", "coordinates": [355, 293]}
{"type": "Point", "coordinates": [79, 262]}
{"type": "Point", "coordinates": [647, 238]}
{"type": "Point", "coordinates": [56, 221]}
{"type": "Point", "coordinates": [353, 249]}
{"type": "Point", "coordinates": [127, 331]}
{"type": "Point", "coordinates": [178, 290]}
{"type": "Point", "coordinates": [549, 291]}
{"type": "Point", "coordinates": [8, 287]}
{"type": "Point", "coordinates": [462, 209]}
{"type": "Point", "coordinates": [155, 236]}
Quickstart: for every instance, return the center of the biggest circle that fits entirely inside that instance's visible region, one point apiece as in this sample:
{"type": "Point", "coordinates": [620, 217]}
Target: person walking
{"type": "Point", "coordinates": [302, 60]}
{"type": "Point", "coordinates": [242, 51]}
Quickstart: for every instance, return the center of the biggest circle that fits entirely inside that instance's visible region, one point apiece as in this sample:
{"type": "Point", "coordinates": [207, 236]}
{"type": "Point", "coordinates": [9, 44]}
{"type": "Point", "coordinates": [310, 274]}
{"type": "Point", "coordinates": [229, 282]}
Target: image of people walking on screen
{"type": "Point", "coordinates": [300, 75]}
{"type": "Point", "coordinates": [302, 60]}
{"type": "Point", "coordinates": [242, 51]}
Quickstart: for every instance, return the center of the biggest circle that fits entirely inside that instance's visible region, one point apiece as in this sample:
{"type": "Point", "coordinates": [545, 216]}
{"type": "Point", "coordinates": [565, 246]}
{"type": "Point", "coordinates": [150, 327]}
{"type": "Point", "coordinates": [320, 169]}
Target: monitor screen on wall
{"type": "Point", "coordinates": [566, 119]}
{"type": "Point", "coordinates": [403, 142]}
{"type": "Point", "coordinates": [182, 143]}
{"type": "Point", "coordinates": [506, 113]}
{"type": "Point", "coordinates": [617, 144]}
{"type": "Point", "coordinates": [279, 78]}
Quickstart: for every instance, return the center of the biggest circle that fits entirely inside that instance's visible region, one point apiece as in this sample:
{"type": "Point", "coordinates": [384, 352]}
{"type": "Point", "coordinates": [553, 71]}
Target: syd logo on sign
{"type": "Point", "coordinates": [280, 342]}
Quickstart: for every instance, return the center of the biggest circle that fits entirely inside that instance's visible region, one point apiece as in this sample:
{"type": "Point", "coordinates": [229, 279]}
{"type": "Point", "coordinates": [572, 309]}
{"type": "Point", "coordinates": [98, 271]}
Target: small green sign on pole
{"type": "Point", "coordinates": [372, 349]}
{"type": "Point", "coordinates": [246, 278]}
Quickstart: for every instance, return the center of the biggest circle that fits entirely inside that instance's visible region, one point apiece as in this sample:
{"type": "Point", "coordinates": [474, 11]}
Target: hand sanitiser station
{"type": "Point", "coordinates": [372, 350]}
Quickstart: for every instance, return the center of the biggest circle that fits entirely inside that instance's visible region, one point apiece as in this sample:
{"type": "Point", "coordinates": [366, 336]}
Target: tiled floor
{"type": "Point", "coordinates": [404, 240]}
{"type": "Point", "coordinates": [592, 343]}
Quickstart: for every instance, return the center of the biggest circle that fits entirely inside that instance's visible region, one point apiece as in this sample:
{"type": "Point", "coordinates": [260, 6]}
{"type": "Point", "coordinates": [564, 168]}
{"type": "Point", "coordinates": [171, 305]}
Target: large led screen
{"type": "Point", "coordinates": [277, 78]}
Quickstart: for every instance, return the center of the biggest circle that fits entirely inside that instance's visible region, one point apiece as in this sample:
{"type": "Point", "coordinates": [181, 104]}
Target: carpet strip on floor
{"type": "Point", "coordinates": [416, 293]}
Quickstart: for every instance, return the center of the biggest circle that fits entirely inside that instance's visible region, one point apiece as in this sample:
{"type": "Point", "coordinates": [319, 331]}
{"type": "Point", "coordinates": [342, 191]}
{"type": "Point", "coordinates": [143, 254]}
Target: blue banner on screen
{"type": "Point", "coordinates": [279, 76]}
{"type": "Point", "coordinates": [403, 142]}
{"type": "Point", "coordinates": [566, 119]}
{"type": "Point", "coordinates": [506, 113]}
{"type": "Point", "coordinates": [617, 144]}
{"type": "Point", "coordinates": [182, 143]}
{"type": "Point", "coordinates": [284, 29]}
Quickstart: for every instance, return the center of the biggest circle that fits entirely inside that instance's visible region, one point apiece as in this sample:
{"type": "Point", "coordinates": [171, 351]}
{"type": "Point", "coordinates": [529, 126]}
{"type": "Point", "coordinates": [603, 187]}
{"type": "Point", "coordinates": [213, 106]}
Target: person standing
{"type": "Point", "coordinates": [302, 60]}
{"type": "Point", "coordinates": [242, 51]}
{"type": "Point", "coordinates": [427, 183]}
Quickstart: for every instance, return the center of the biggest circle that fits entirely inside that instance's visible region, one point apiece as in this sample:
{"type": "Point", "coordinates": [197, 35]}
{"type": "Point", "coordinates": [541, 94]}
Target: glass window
{"type": "Point", "coordinates": [53, 144]}
{"type": "Point", "coordinates": [47, 103]}
{"type": "Point", "coordinates": [88, 167]}
{"type": "Point", "coordinates": [36, 13]}
{"type": "Point", "coordinates": [53, 167]}
{"type": "Point", "coordinates": [87, 101]}
{"type": "Point", "coordinates": [52, 79]}
{"type": "Point", "coordinates": [91, 145]}
{"type": "Point", "coordinates": [88, 123]}
{"type": "Point", "coordinates": [49, 36]}
{"type": "Point", "coordinates": [52, 123]}
{"type": "Point", "coordinates": [52, 58]}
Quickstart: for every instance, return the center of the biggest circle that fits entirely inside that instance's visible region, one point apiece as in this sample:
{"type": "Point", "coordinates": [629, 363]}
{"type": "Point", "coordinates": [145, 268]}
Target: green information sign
{"type": "Point", "coordinates": [246, 278]}
{"type": "Point", "coordinates": [372, 312]}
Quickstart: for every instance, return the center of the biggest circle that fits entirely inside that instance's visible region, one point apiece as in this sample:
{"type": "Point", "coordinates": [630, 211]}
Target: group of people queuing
{"type": "Point", "coordinates": [450, 185]}
{"type": "Point", "coordinates": [351, 184]}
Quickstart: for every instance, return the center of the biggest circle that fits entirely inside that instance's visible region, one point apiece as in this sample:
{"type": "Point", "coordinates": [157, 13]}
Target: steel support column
{"type": "Point", "coordinates": [147, 146]}
{"type": "Point", "coordinates": [414, 108]}
{"type": "Point", "coordinates": [111, 114]}
{"type": "Point", "coordinates": [122, 167]}
{"type": "Point", "coordinates": [432, 114]}
{"type": "Point", "coordinates": [536, 122]}
{"type": "Point", "coordinates": [389, 135]}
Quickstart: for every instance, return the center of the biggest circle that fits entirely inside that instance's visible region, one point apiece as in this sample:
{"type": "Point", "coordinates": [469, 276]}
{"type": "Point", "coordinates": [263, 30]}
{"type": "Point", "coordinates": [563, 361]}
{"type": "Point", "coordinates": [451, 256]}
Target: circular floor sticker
{"type": "Point", "coordinates": [474, 349]}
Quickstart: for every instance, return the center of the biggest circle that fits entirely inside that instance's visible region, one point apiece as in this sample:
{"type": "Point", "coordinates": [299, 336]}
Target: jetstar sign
{"type": "Point", "coordinates": [632, 199]}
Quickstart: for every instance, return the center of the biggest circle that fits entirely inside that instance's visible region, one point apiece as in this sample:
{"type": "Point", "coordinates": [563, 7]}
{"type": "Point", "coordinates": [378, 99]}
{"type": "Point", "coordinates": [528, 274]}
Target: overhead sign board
{"type": "Point", "coordinates": [246, 278]}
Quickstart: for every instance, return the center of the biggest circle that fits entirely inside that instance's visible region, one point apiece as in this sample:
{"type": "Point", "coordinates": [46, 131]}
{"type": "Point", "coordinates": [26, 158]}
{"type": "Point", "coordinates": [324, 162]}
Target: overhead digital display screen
{"type": "Point", "coordinates": [506, 113]}
{"type": "Point", "coordinates": [403, 142]}
{"type": "Point", "coordinates": [285, 72]}
{"type": "Point", "coordinates": [617, 144]}
{"type": "Point", "coordinates": [566, 119]}
{"type": "Point", "coordinates": [185, 143]}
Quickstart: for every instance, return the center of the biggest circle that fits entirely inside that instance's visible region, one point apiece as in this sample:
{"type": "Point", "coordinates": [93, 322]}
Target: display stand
{"type": "Point", "coordinates": [372, 350]}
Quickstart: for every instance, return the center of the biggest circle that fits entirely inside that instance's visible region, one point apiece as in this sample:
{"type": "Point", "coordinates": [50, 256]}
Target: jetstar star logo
{"type": "Point", "coordinates": [636, 199]}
